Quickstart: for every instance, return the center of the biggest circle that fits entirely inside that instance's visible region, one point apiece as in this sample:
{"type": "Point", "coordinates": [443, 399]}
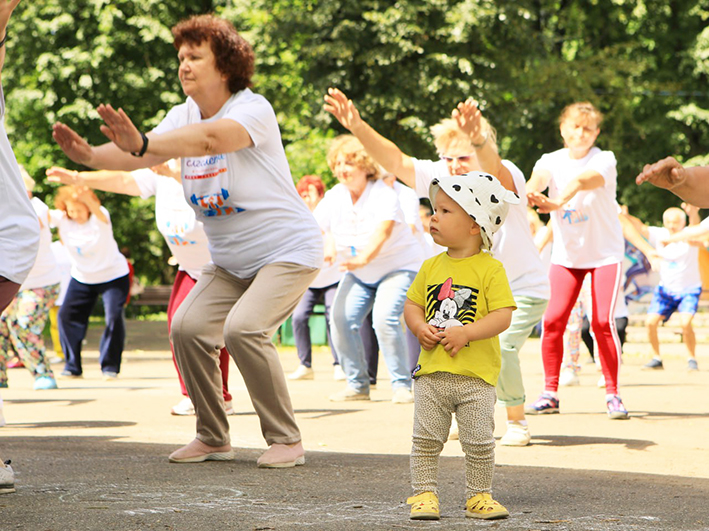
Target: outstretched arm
{"type": "Point", "coordinates": [6, 9]}
{"type": "Point", "coordinates": [690, 184]}
{"type": "Point", "coordinates": [588, 180]}
{"type": "Point", "coordinates": [106, 156]}
{"type": "Point", "coordinates": [375, 244]}
{"type": "Point", "coordinates": [381, 149]}
{"type": "Point", "coordinates": [118, 182]}
{"type": "Point", "coordinates": [695, 232]}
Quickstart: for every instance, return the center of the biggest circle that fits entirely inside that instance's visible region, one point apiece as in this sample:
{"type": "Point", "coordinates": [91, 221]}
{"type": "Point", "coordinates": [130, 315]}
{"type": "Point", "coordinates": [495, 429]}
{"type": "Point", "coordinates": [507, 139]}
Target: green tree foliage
{"type": "Point", "coordinates": [405, 63]}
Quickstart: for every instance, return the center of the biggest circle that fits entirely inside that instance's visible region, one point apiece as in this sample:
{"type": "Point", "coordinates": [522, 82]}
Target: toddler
{"type": "Point", "coordinates": [457, 305]}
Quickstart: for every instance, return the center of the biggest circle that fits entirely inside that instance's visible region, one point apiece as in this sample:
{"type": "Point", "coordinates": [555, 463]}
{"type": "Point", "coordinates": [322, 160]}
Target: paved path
{"type": "Point", "coordinates": [93, 455]}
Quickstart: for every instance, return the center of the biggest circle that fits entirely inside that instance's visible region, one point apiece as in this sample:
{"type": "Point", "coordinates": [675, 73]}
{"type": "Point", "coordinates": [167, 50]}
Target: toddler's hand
{"type": "Point", "coordinates": [453, 339]}
{"type": "Point", "coordinates": [428, 336]}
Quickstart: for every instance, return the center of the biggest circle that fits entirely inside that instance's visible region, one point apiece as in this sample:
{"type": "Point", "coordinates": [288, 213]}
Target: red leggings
{"type": "Point", "coordinates": [182, 286]}
{"type": "Point", "coordinates": [565, 287]}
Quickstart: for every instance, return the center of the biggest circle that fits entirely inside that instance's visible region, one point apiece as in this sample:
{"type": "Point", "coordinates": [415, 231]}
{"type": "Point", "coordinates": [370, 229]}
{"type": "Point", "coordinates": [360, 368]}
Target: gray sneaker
{"type": "Point", "coordinates": [692, 365]}
{"type": "Point", "coordinates": [7, 478]}
{"type": "Point", "coordinates": [655, 364]}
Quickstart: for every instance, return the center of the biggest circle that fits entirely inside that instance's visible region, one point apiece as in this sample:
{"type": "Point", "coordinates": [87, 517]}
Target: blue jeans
{"type": "Point", "coordinates": [385, 299]}
{"type": "Point", "coordinates": [74, 322]}
{"type": "Point", "coordinates": [301, 330]}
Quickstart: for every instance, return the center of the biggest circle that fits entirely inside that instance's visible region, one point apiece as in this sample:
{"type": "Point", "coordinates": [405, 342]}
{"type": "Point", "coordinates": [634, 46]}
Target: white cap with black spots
{"type": "Point", "coordinates": [481, 195]}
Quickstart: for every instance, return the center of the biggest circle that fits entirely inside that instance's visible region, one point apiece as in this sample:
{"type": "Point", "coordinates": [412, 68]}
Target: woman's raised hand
{"type": "Point", "coordinates": [73, 145]}
{"type": "Point", "coordinates": [469, 119]}
{"type": "Point", "coordinates": [55, 174]}
{"type": "Point", "coordinates": [337, 104]}
{"type": "Point", "coordinates": [119, 129]}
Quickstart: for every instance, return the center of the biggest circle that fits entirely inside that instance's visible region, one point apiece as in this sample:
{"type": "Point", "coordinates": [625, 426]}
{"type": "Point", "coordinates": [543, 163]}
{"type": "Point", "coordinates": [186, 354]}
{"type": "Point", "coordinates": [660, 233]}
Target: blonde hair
{"type": "Point", "coordinates": [29, 181]}
{"type": "Point", "coordinates": [585, 108]}
{"type": "Point", "coordinates": [70, 193]}
{"type": "Point", "coordinates": [675, 212]}
{"type": "Point", "coordinates": [352, 149]}
{"type": "Point", "coordinates": [447, 132]}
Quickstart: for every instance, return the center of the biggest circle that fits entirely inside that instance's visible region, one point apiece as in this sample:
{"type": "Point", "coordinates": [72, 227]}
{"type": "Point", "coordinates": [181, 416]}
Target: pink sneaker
{"type": "Point", "coordinates": [282, 456]}
{"type": "Point", "coordinates": [198, 452]}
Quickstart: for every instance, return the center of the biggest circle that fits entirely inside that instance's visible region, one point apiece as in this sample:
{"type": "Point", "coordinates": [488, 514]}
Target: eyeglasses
{"type": "Point", "coordinates": [462, 158]}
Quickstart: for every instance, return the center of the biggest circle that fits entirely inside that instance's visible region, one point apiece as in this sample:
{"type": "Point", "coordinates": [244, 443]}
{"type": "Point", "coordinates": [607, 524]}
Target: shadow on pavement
{"type": "Point", "coordinates": [101, 483]}
{"type": "Point", "coordinates": [582, 440]}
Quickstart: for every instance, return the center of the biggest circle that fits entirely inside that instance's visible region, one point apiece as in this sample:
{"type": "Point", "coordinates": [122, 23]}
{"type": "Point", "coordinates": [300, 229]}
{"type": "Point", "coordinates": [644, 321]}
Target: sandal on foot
{"type": "Point", "coordinates": [424, 507]}
{"type": "Point", "coordinates": [483, 506]}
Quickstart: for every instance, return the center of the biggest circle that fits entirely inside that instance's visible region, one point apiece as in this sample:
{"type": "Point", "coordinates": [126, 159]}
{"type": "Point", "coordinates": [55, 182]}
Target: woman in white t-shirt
{"type": "Point", "coordinates": [22, 323]}
{"type": "Point", "coordinates": [588, 238]}
{"type": "Point", "coordinates": [366, 232]}
{"type": "Point", "coordinates": [466, 142]}
{"type": "Point", "coordinates": [97, 268]}
{"type": "Point", "coordinates": [184, 235]}
{"type": "Point", "coordinates": [265, 245]}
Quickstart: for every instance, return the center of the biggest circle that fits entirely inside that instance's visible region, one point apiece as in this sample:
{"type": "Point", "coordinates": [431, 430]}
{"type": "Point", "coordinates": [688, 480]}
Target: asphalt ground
{"type": "Point", "coordinates": [92, 455]}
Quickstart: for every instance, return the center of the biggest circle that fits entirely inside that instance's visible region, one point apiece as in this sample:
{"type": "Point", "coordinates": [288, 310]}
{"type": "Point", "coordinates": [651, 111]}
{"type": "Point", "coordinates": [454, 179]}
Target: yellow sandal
{"type": "Point", "coordinates": [483, 506]}
{"type": "Point", "coordinates": [424, 506]}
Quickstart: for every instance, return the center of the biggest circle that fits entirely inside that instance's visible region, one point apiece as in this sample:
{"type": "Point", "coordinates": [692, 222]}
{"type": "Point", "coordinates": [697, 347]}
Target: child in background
{"type": "Point", "coordinates": [458, 304]}
{"type": "Point", "coordinates": [680, 283]}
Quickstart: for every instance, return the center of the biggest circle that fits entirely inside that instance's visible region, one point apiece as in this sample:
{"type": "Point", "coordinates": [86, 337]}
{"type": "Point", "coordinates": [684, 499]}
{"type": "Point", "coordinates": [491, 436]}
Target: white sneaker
{"type": "Point", "coordinates": [302, 373]}
{"type": "Point", "coordinates": [339, 375]}
{"type": "Point", "coordinates": [453, 433]}
{"type": "Point", "coordinates": [7, 478]}
{"type": "Point", "coordinates": [602, 382]}
{"type": "Point", "coordinates": [568, 378]}
{"type": "Point", "coordinates": [348, 395]}
{"type": "Point", "coordinates": [517, 435]}
{"type": "Point", "coordinates": [229, 408]}
{"type": "Point", "coordinates": [184, 408]}
{"type": "Point", "coordinates": [402, 396]}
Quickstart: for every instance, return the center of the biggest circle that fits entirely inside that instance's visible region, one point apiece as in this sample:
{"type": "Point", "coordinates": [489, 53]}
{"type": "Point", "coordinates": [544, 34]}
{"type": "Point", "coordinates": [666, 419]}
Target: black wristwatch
{"type": "Point", "coordinates": [143, 149]}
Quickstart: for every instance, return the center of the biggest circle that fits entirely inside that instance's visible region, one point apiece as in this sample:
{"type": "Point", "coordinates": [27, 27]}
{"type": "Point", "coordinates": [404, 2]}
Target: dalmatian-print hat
{"type": "Point", "coordinates": [481, 195]}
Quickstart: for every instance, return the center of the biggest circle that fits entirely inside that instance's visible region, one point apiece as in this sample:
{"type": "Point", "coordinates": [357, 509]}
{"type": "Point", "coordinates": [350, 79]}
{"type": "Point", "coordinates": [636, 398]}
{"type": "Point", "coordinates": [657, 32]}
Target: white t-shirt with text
{"type": "Point", "coordinates": [587, 232]}
{"type": "Point", "coordinates": [176, 221]}
{"type": "Point", "coordinates": [353, 225]}
{"type": "Point", "coordinates": [246, 199]}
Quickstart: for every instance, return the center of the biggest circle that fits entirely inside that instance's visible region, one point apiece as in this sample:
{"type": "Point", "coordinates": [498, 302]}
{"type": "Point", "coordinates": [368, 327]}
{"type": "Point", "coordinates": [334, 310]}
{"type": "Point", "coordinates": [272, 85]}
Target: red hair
{"type": "Point", "coordinates": [307, 180]}
{"type": "Point", "coordinates": [233, 55]}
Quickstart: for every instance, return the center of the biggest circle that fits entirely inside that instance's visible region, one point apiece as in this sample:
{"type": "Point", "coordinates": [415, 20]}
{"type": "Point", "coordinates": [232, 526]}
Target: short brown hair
{"type": "Point", "coordinates": [70, 193]}
{"type": "Point", "coordinates": [353, 150]}
{"type": "Point", "coordinates": [233, 55]}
